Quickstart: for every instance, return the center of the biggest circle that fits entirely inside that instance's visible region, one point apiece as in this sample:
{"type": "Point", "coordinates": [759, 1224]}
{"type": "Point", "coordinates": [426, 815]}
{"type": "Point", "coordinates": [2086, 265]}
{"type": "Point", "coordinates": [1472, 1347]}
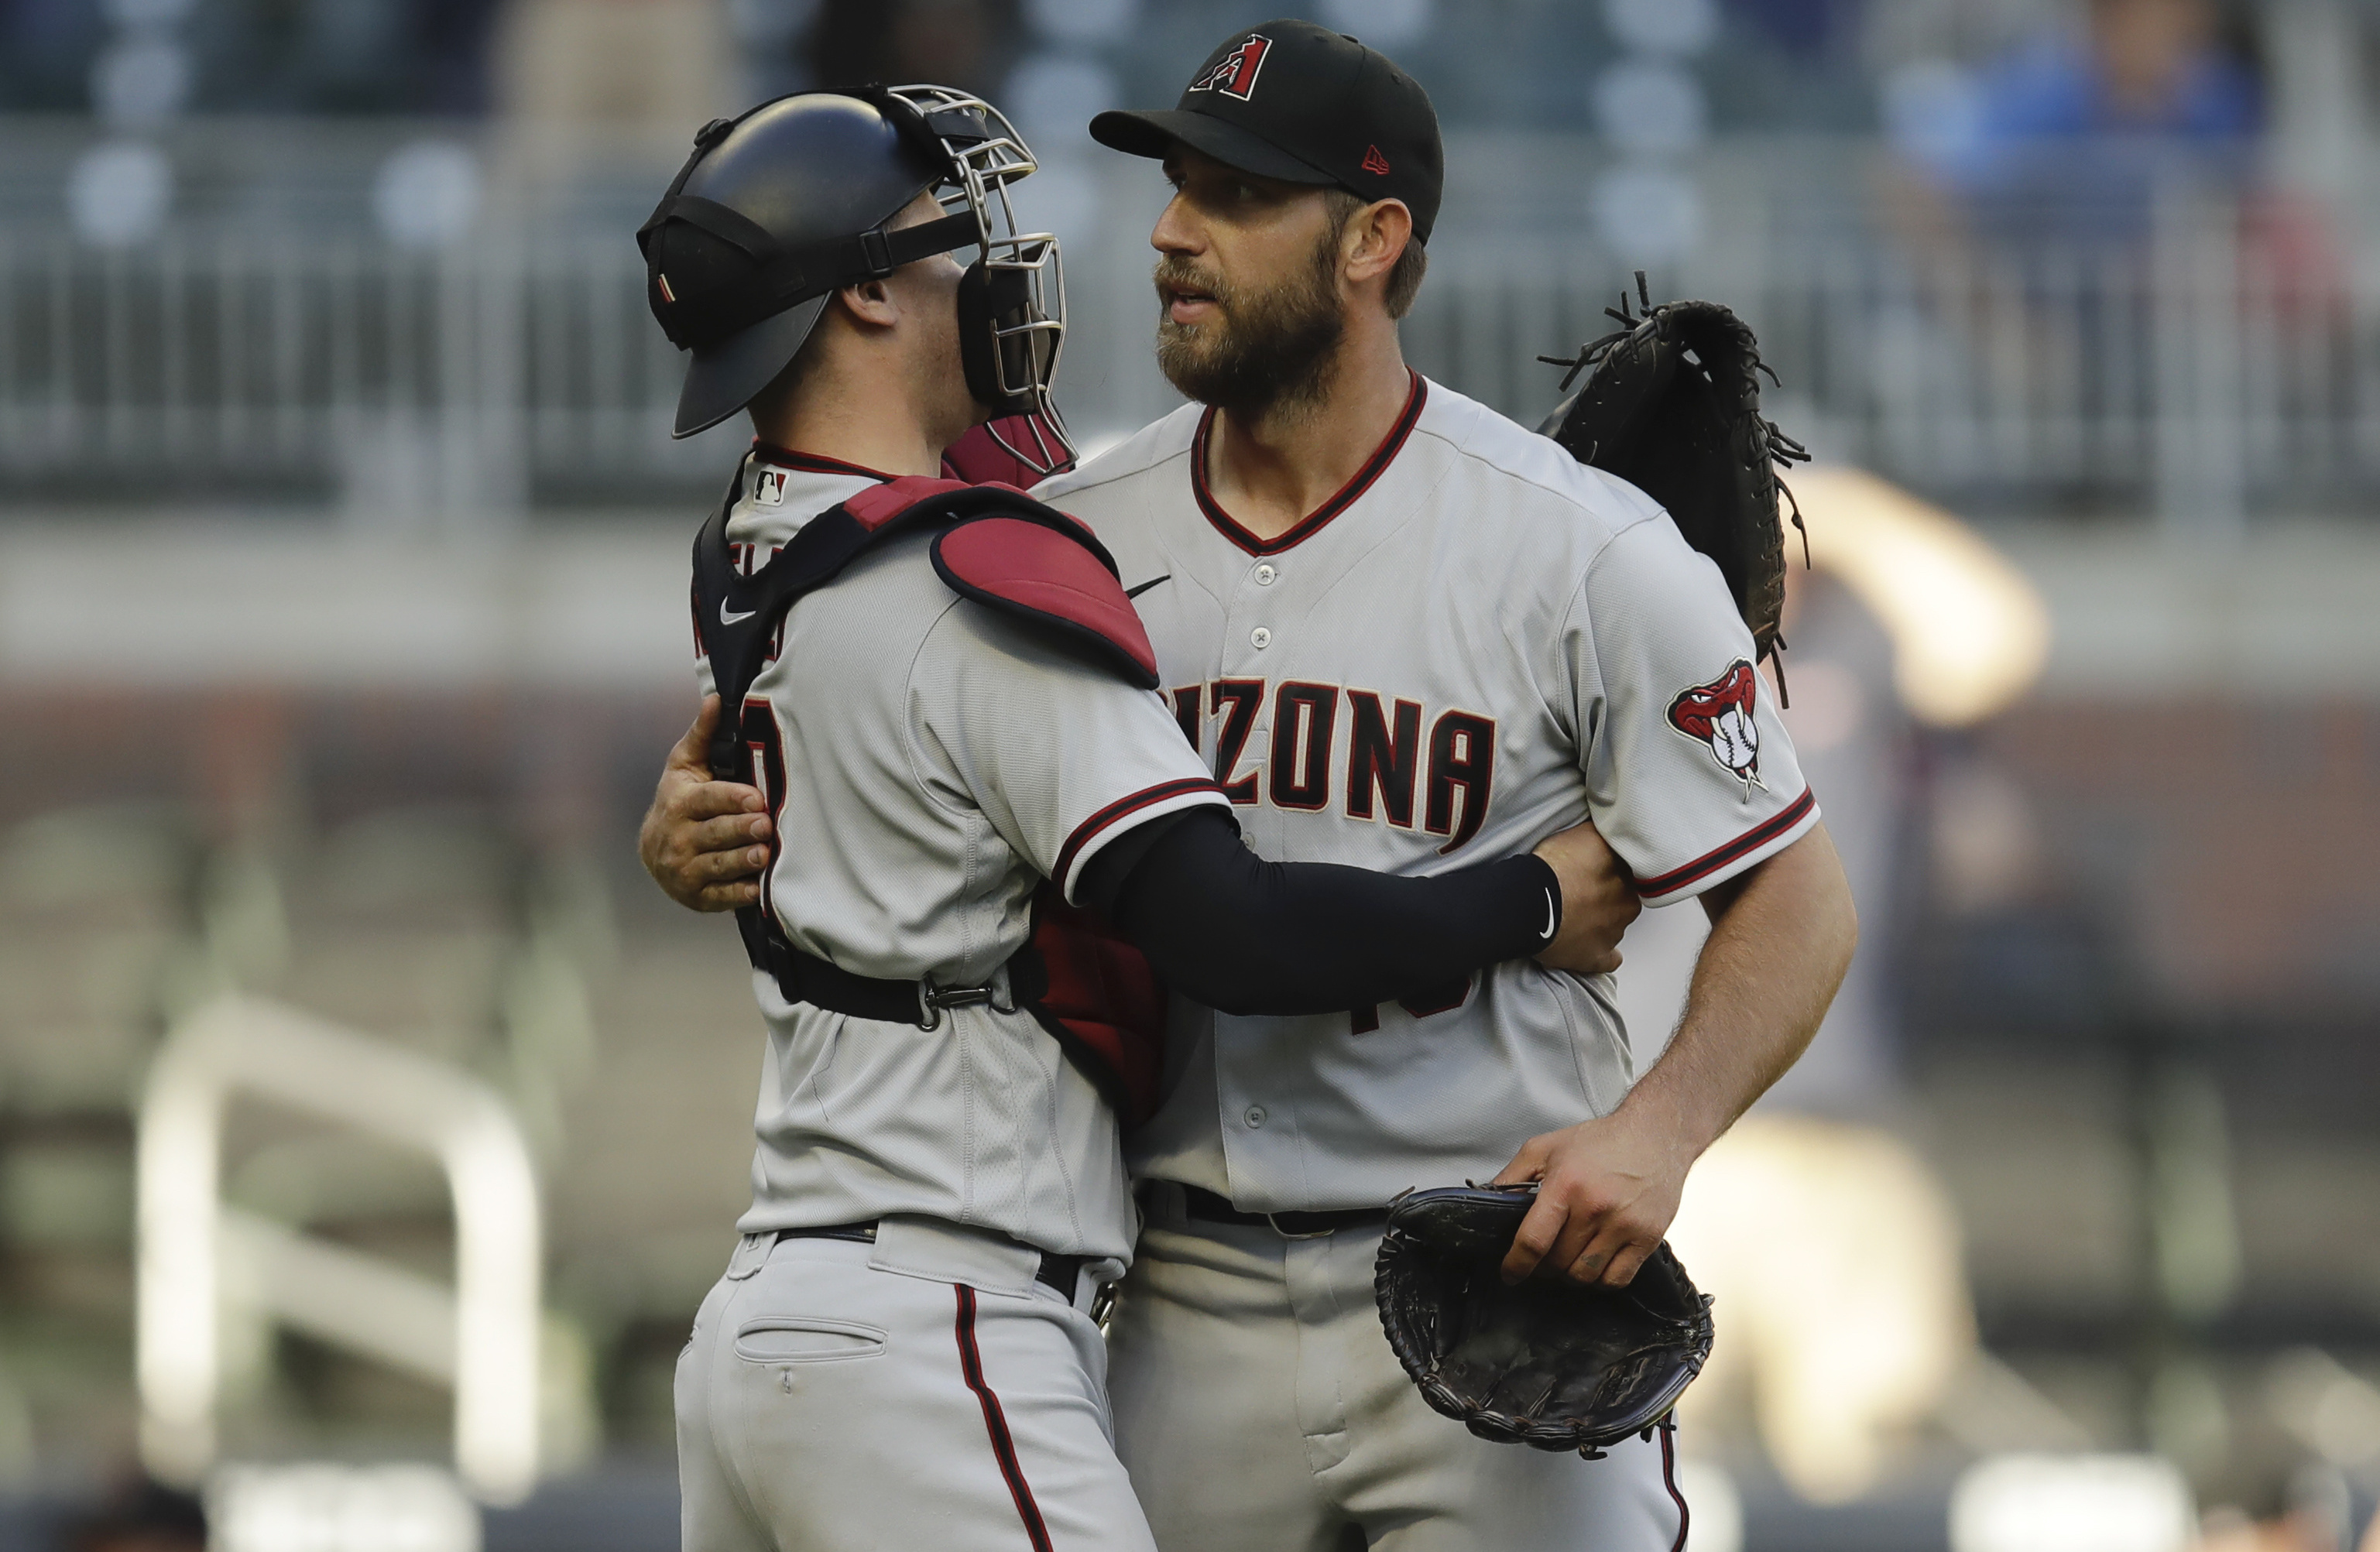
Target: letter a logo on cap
{"type": "Point", "coordinates": [1235, 75]}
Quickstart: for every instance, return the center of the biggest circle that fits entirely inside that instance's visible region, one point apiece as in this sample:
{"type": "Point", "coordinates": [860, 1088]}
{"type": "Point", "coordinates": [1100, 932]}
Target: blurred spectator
{"type": "Point", "coordinates": [332, 56]}
{"type": "Point", "coordinates": [964, 43]}
{"type": "Point", "coordinates": [375, 56]}
{"type": "Point", "coordinates": [1791, 65]}
{"type": "Point", "coordinates": [2067, 136]}
{"type": "Point", "coordinates": [2079, 204]}
{"type": "Point", "coordinates": [451, 73]}
{"type": "Point", "coordinates": [1807, 29]}
{"type": "Point", "coordinates": [658, 66]}
{"type": "Point", "coordinates": [47, 51]}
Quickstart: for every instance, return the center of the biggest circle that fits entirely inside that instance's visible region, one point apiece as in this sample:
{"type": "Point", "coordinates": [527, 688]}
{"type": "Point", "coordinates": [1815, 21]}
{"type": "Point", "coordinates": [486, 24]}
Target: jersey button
{"type": "Point", "coordinates": [1256, 1117]}
{"type": "Point", "coordinates": [1265, 573]}
{"type": "Point", "coordinates": [1259, 639]}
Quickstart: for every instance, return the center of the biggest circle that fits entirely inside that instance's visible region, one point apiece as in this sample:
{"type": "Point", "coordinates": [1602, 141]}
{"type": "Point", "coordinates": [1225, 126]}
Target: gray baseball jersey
{"type": "Point", "coordinates": [1476, 643]}
{"type": "Point", "coordinates": [928, 762]}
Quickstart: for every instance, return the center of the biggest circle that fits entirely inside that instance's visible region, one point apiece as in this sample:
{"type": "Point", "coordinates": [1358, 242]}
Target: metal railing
{"type": "Point", "coordinates": [483, 1338]}
{"type": "Point", "coordinates": [2038, 379]}
{"type": "Point", "coordinates": [2204, 372]}
{"type": "Point", "coordinates": [331, 366]}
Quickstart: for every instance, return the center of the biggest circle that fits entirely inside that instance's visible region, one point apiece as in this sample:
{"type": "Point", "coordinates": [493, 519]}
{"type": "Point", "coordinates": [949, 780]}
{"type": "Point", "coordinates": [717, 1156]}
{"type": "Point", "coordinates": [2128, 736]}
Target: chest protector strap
{"type": "Point", "coordinates": [1092, 990]}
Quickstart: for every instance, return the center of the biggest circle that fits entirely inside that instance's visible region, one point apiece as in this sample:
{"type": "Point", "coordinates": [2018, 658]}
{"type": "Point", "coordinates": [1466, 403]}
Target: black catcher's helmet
{"type": "Point", "coordinates": [777, 209]}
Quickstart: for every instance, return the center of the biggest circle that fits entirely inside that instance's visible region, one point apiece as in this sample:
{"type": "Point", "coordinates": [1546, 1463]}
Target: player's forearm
{"type": "Point", "coordinates": [1246, 936]}
{"type": "Point", "coordinates": [1781, 937]}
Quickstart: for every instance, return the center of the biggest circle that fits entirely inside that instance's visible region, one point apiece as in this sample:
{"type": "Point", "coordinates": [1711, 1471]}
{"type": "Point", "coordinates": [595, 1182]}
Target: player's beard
{"type": "Point", "coordinates": [1264, 350]}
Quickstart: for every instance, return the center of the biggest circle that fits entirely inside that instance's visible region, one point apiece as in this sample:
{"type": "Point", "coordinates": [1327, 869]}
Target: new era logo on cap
{"type": "Point", "coordinates": [1235, 75]}
{"type": "Point", "coordinates": [1374, 163]}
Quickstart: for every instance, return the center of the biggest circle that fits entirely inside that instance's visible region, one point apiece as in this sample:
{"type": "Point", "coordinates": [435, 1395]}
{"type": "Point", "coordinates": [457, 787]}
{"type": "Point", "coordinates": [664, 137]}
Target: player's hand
{"type": "Point", "coordinates": [1607, 1191]}
{"type": "Point", "coordinates": [704, 842]}
{"type": "Point", "coordinates": [1598, 902]}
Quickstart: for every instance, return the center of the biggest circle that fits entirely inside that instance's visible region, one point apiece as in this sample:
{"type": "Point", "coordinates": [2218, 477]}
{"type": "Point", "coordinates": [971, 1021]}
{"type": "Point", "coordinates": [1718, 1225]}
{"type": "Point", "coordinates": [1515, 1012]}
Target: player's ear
{"type": "Point", "coordinates": [870, 302]}
{"type": "Point", "coordinates": [1375, 238]}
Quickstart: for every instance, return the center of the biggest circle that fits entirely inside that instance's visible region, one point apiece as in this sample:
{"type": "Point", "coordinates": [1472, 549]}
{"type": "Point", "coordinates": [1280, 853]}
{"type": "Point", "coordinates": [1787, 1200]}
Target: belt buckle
{"type": "Point", "coordinates": [1274, 1219]}
{"type": "Point", "coordinates": [932, 999]}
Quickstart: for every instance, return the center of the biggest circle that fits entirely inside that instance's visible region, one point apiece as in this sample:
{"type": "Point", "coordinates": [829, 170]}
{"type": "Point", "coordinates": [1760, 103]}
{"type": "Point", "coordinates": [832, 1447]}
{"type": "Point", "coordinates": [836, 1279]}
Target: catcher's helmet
{"type": "Point", "coordinates": [776, 209]}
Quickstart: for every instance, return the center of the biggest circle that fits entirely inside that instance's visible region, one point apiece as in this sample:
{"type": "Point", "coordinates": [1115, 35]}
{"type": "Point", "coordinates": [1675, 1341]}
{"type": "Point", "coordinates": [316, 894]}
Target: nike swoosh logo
{"type": "Point", "coordinates": [1136, 592]}
{"type": "Point", "coordinates": [727, 619]}
{"type": "Point", "coordinates": [1553, 918]}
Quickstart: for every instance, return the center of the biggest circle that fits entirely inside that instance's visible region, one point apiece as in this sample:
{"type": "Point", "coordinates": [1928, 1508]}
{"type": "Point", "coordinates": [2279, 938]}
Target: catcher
{"type": "Point", "coordinates": [1402, 631]}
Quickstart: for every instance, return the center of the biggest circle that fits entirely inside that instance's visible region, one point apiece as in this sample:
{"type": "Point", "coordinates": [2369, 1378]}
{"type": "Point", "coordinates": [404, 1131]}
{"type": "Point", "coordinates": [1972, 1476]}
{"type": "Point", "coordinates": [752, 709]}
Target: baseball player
{"type": "Point", "coordinates": [1408, 631]}
{"type": "Point", "coordinates": [943, 698]}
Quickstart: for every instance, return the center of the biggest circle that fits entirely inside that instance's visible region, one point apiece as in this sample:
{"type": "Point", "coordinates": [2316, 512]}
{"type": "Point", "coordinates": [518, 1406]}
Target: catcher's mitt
{"type": "Point", "coordinates": [1673, 405]}
{"type": "Point", "coordinates": [1553, 1363]}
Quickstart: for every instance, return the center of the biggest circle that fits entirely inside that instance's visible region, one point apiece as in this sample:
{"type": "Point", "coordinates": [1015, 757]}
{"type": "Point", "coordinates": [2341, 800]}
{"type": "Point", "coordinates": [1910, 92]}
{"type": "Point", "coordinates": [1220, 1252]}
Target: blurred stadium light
{"type": "Point", "coordinates": [1651, 109]}
{"type": "Point", "coordinates": [339, 1508]}
{"type": "Point", "coordinates": [426, 193]}
{"type": "Point", "coordinates": [1969, 632]}
{"type": "Point", "coordinates": [1833, 1256]}
{"type": "Point", "coordinates": [2333, 1410]}
{"type": "Point", "coordinates": [2072, 1503]}
{"type": "Point", "coordinates": [487, 1341]}
{"type": "Point", "coordinates": [119, 193]}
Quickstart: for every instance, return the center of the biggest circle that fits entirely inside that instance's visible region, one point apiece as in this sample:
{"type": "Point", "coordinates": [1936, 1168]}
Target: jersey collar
{"type": "Point", "coordinates": [813, 463]}
{"type": "Point", "coordinates": [1305, 527]}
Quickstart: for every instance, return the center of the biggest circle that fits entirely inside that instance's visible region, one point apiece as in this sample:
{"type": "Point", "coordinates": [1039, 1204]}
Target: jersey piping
{"type": "Point", "coordinates": [1305, 527]}
{"type": "Point", "coordinates": [815, 463]}
{"type": "Point", "coordinates": [1107, 819]}
{"type": "Point", "coordinates": [1712, 861]}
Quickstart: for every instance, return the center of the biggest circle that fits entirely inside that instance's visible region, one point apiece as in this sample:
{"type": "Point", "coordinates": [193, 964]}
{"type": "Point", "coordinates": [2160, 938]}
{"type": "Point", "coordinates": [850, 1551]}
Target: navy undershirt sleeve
{"type": "Point", "coordinates": [1242, 935]}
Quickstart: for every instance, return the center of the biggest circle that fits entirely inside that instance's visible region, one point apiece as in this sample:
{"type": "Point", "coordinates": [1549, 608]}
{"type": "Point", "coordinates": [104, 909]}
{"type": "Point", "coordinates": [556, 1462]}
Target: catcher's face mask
{"type": "Point", "coordinates": [1011, 300]}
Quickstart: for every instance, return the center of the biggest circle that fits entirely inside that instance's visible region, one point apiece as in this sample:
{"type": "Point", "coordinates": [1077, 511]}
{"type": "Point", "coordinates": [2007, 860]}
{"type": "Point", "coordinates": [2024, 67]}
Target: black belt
{"type": "Point", "coordinates": [1063, 1273]}
{"type": "Point", "coordinates": [805, 977]}
{"type": "Point", "coordinates": [1207, 1207]}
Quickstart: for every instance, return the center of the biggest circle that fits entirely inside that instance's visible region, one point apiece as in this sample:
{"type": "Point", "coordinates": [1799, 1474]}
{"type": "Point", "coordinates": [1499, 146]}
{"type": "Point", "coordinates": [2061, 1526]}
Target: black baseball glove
{"type": "Point", "coordinates": [1553, 1363]}
{"type": "Point", "coordinates": [1673, 405]}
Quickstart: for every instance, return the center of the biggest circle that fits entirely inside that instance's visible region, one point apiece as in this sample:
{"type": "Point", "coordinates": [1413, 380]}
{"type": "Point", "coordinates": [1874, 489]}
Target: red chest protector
{"type": "Point", "coordinates": [1090, 989]}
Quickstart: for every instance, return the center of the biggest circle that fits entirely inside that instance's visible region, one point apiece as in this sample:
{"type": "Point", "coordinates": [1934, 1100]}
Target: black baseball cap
{"type": "Point", "coordinates": [1299, 103]}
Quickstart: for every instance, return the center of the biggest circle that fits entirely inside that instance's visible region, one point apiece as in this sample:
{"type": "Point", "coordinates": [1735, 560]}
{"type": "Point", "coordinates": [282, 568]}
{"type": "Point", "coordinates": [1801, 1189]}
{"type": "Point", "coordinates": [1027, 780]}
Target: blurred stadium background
{"type": "Point", "coordinates": [341, 635]}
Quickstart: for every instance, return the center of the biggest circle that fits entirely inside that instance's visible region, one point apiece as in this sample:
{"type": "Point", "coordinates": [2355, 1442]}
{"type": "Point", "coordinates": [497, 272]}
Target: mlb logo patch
{"type": "Point", "coordinates": [769, 488]}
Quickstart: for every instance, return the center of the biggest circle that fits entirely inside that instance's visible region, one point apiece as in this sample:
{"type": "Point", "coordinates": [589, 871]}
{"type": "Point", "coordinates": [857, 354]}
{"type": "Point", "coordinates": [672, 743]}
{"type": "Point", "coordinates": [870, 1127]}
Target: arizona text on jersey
{"type": "Point", "coordinates": [1476, 642]}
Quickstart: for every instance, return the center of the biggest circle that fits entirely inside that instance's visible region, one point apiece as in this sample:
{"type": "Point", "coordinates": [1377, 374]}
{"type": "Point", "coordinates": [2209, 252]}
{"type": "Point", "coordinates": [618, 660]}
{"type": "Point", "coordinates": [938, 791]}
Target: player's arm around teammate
{"type": "Point", "coordinates": [705, 842]}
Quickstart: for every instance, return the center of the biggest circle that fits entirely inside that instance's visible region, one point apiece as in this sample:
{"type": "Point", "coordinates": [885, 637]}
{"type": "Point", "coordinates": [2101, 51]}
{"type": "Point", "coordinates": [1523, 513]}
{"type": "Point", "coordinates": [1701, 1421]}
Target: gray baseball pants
{"type": "Point", "coordinates": [921, 1391]}
{"type": "Point", "coordinates": [1260, 1409]}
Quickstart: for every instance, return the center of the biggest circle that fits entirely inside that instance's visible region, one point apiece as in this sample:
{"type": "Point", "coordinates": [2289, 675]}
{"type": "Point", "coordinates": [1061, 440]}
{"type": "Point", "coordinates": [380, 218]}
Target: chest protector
{"type": "Point", "coordinates": [1083, 983]}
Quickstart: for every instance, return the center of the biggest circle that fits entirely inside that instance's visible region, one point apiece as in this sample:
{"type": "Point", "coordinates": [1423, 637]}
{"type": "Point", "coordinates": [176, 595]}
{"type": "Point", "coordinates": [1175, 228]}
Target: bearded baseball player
{"type": "Point", "coordinates": [945, 701]}
{"type": "Point", "coordinates": [1406, 628]}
